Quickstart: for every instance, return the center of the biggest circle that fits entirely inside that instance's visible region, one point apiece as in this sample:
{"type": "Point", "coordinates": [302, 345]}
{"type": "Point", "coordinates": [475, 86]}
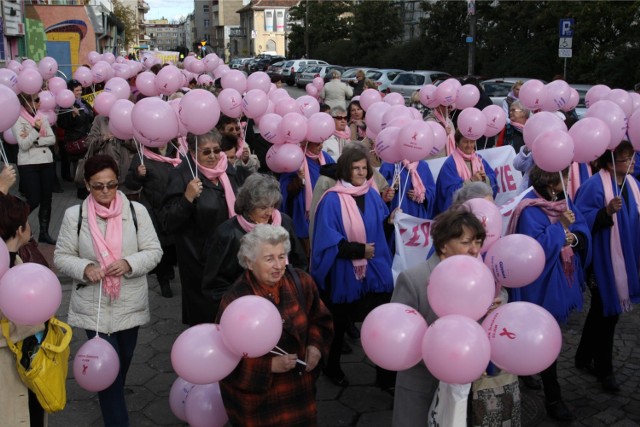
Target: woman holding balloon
{"type": "Point", "coordinates": [417, 188]}
{"type": "Point", "coordinates": [610, 202]}
{"type": "Point", "coordinates": [200, 196]}
{"type": "Point", "coordinates": [277, 389]}
{"type": "Point", "coordinates": [107, 246]}
{"type": "Point", "coordinates": [549, 217]}
{"type": "Point", "coordinates": [463, 165]}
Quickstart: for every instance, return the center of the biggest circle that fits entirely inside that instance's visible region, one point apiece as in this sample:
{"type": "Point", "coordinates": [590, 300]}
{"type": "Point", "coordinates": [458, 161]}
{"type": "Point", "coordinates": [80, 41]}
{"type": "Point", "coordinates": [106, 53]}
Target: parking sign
{"type": "Point", "coordinates": [566, 27]}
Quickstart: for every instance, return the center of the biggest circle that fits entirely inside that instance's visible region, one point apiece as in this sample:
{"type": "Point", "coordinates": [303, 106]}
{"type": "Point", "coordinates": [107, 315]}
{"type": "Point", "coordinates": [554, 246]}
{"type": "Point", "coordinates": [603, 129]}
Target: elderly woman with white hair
{"type": "Point", "coordinates": [341, 136]}
{"type": "Point", "coordinates": [335, 93]}
{"type": "Point", "coordinates": [278, 390]}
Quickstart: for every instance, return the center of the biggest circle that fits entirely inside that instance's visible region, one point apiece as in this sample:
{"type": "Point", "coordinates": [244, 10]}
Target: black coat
{"type": "Point", "coordinates": [154, 187]}
{"type": "Point", "coordinates": [222, 268]}
{"type": "Point", "coordinates": [191, 224]}
{"type": "Point", "coordinates": [75, 127]}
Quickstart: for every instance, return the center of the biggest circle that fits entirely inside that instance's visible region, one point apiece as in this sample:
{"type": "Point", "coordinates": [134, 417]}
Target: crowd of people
{"type": "Point", "coordinates": [318, 242]}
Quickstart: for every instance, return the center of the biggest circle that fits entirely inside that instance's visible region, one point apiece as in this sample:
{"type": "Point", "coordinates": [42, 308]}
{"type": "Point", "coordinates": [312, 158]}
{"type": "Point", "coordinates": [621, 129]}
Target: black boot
{"type": "Point", "coordinates": [44, 215]}
{"type": "Point", "coordinates": [165, 287]}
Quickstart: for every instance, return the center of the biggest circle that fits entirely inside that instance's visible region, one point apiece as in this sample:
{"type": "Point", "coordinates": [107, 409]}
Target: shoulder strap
{"type": "Point", "coordinates": [7, 336]}
{"type": "Point", "coordinates": [296, 279]}
{"type": "Point", "coordinates": [133, 215]}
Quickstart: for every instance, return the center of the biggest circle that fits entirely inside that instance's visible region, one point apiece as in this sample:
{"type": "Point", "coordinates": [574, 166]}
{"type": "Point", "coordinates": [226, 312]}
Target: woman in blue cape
{"type": "Point", "coordinates": [565, 238]}
{"type": "Point", "coordinates": [463, 165]}
{"type": "Point", "coordinates": [350, 259]}
{"type": "Point", "coordinates": [610, 201]}
{"type": "Point", "coordinates": [416, 185]}
{"type": "Point", "coordinates": [297, 189]}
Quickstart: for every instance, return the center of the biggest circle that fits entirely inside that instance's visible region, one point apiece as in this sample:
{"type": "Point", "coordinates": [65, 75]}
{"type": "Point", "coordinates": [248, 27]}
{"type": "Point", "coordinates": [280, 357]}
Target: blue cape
{"type": "Point", "coordinates": [408, 206]}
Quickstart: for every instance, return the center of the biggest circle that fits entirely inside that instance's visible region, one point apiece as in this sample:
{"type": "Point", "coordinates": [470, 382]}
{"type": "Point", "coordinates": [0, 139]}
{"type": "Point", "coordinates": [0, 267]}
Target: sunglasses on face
{"type": "Point", "coordinates": [208, 151]}
{"type": "Point", "coordinates": [36, 100]}
{"type": "Point", "coordinates": [99, 186]}
{"type": "Point", "coordinates": [340, 117]}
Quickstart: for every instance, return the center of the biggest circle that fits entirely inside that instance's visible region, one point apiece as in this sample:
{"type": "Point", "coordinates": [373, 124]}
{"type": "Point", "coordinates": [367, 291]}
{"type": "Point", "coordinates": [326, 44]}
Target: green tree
{"type": "Point", "coordinates": [376, 26]}
{"type": "Point", "coordinates": [127, 15]}
{"type": "Point", "coordinates": [444, 30]}
{"type": "Point", "coordinates": [328, 21]}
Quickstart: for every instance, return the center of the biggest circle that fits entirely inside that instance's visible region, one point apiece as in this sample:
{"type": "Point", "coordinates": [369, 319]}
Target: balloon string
{"type": "Point", "coordinates": [99, 304]}
{"type": "Point", "coordinates": [138, 146]}
{"type": "Point", "coordinates": [184, 153]}
{"type": "Point", "coordinates": [613, 162]}
{"type": "Point", "coordinates": [564, 189]}
{"type": "Point", "coordinates": [281, 352]}
{"type": "Point", "coordinates": [3, 153]}
{"type": "Point", "coordinates": [626, 175]}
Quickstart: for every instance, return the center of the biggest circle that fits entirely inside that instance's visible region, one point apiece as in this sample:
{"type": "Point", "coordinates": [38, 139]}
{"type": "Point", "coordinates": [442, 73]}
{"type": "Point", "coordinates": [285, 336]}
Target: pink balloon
{"type": "Point", "coordinates": [311, 90]}
{"type": "Point", "coordinates": [30, 81]}
{"type": "Point", "coordinates": [283, 158]}
{"type": "Point", "coordinates": [591, 137]}
{"type": "Point", "coordinates": [146, 83]}
{"type": "Point", "coordinates": [121, 70]}
{"type": "Point", "coordinates": [104, 102]}
{"type": "Point", "coordinates": [532, 94]}
{"type": "Point", "coordinates": [461, 284]}
{"type": "Point", "coordinates": [199, 111]}
{"type": "Point", "coordinates": [175, 104]}
{"type": "Point", "coordinates": [308, 105]}
{"type": "Point", "coordinates": [120, 116]}
{"type": "Point", "coordinates": [371, 134]}
{"type": "Point", "coordinates": [318, 82]}
{"type": "Point", "coordinates": [119, 87]}
{"type": "Point", "coordinates": [155, 120]}
{"type": "Point", "coordinates": [387, 147]}
{"type": "Point", "coordinates": [415, 140]}
{"type": "Point", "coordinates": [375, 115]}
{"type": "Point", "coordinates": [320, 127]}
{"type": "Point", "coordinates": [428, 96]}
{"type": "Point", "coordinates": [210, 61]}
{"type": "Point", "coordinates": [255, 103]}
{"type": "Point", "coordinates": [468, 96]}
{"type": "Point", "coordinates": [553, 150]}
{"type": "Point", "coordinates": [635, 98]}
{"type": "Point", "coordinates": [278, 94]}
{"type": "Point", "coordinates": [205, 80]}
{"type": "Point", "coordinates": [230, 102]}
{"type": "Point", "coordinates": [15, 66]}
{"type": "Point", "coordinates": [50, 115]}
{"type": "Point", "coordinates": [84, 76]}
{"type": "Point", "coordinates": [496, 120]}
{"type": "Point", "coordinates": [56, 84]}
{"type": "Point", "coordinates": [417, 115]}
{"type": "Point", "coordinates": [623, 99]}
{"type": "Point", "coordinates": [109, 57]}
{"type": "Point", "coordinates": [558, 93]}
{"type": "Point", "coordinates": [610, 113]}
{"type": "Point", "coordinates": [9, 138]}
{"type": "Point", "coordinates": [456, 349]}
{"type": "Point", "coordinates": [369, 97]}
{"type": "Point", "coordinates": [455, 82]}
{"type": "Point", "coordinates": [93, 57]}
{"type": "Point", "coordinates": [96, 365]}
{"type": "Point", "coordinates": [287, 105]}
{"type": "Point", "coordinates": [399, 122]}
{"type": "Point", "coordinates": [446, 93]}
{"type": "Point", "coordinates": [10, 79]}
{"type": "Point", "coordinates": [539, 123]}
{"type": "Point", "coordinates": [259, 81]}
{"type": "Point", "coordinates": [124, 135]}
{"type": "Point", "coordinates": [10, 108]}
{"type": "Point", "coordinates": [4, 253]}
{"type": "Point", "coordinates": [251, 325]}
{"type": "Point", "coordinates": [525, 338]}
{"type": "Point", "coordinates": [199, 355]}
{"type": "Point", "coordinates": [270, 128]}
{"type": "Point", "coordinates": [634, 130]}
{"type": "Point", "coordinates": [101, 71]}
{"type": "Point", "coordinates": [491, 218]}
{"type": "Point", "coordinates": [293, 127]}
{"type": "Point", "coordinates": [394, 98]}
{"type": "Point", "coordinates": [47, 100]}
{"type": "Point", "coordinates": [29, 294]}
{"type": "Point", "coordinates": [29, 63]}
{"type": "Point", "coordinates": [439, 136]}
{"type": "Point", "coordinates": [595, 94]}
{"type": "Point", "coordinates": [168, 80]}
{"type": "Point", "coordinates": [177, 396]}
{"type": "Point", "coordinates": [516, 260]}
{"type": "Point", "coordinates": [204, 407]}
{"type": "Point", "coordinates": [391, 336]}
{"type": "Point", "coordinates": [396, 111]}
{"type": "Point", "coordinates": [65, 98]}
{"type": "Point", "coordinates": [234, 79]}
{"type": "Point", "coordinates": [197, 67]}
{"type": "Point", "coordinates": [472, 123]}
{"type": "Point", "coordinates": [574, 99]}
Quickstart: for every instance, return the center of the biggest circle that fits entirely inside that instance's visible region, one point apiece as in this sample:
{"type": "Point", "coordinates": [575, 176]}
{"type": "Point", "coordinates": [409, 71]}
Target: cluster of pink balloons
{"type": "Point", "coordinates": [199, 405]}
{"type": "Point", "coordinates": [450, 93]}
{"type": "Point", "coordinates": [474, 123]}
{"type": "Point", "coordinates": [554, 96]}
{"type": "Point", "coordinates": [313, 89]}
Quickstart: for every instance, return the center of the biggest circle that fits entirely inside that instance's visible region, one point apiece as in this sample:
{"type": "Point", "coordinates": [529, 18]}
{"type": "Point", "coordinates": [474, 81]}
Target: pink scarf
{"type": "Point", "coordinates": [248, 226]}
{"type": "Point", "coordinates": [553, 210]}
{"type": "Point", "coordinates": [32, 120]}
{"type": "Point", "coordinates": [447, 123]}
{"type": "Point", "coordinates": [343, 134]}
{"type": "Point", "coordinates": [308, 188]}
{"type": "Point", "coordinates": [617, 256]}
{"type": "Point", "coordinates": [518, 126]}
{"type": "Point", "coordinates": [419, 190]}
{"type": "Point", "coordinates": [574, 179]}
{"type": "Point", "coordinates": [220, 172]}
{"type": "Point", "coordinates": [352, 219]}
{"type": "Point", "coordinates": [461, 160]}
{"type": "Point", "coordinates": [159, 158]}
{"type": "Point", "coordinates": [107, 248]}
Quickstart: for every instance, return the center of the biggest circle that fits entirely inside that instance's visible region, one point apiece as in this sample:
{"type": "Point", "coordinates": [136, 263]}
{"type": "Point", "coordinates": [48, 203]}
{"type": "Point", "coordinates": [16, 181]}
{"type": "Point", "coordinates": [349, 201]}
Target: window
{"type": "Point", "coordinates": [205, 8]}
{"type": "Point", "coordinates": [206, 23]}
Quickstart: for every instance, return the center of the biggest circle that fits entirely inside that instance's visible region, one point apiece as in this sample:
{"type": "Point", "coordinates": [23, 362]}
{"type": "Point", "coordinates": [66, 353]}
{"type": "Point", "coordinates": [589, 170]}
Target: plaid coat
{"type": "Point", "coordinates": [252, 394]}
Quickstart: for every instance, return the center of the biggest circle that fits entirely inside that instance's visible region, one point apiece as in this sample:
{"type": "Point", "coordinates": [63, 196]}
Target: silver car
{"type": "Point", "coordinates": [499, 88]}
{"type": "Point", "coordinates": [410, 81]}
{"type": "Point", "coordinates": [383, 77]}
{"type": "Point", "coordinates": [311, 72]}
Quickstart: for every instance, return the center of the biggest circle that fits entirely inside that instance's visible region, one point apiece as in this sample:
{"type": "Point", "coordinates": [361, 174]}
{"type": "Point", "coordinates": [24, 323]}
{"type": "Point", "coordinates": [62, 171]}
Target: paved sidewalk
{"type": "Point", "coordinates": [362, 404]}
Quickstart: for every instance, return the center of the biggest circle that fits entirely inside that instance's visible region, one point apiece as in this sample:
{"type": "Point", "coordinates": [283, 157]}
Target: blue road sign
{"type": "Point", "coordinates": [566, 27]}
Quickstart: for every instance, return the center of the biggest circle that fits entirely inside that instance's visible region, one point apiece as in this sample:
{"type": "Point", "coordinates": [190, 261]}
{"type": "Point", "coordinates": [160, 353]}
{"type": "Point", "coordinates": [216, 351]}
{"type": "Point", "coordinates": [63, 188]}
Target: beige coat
{"type": "Point", "coordinates": [335, 93]}
{"type": "Point", "coordinates": [34, 149]}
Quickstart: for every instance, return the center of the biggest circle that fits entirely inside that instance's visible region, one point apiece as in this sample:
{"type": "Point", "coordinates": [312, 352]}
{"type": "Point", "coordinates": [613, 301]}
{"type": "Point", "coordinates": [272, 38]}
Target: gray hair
{"type": "Point", "coordinates": [335, 74]}
{"type": "Point", "coordinates": [471, 190]}
{"type": "Point", "coordinates": [262, 234]}
{"type": "Point", "coordinates": [258, 190]}
{"type": "Point", "coordinates": [337, 110]}
{"type": "Point", "coordinates": [213, 135]}
{"type": "Point", "coordinates": [517, 104]}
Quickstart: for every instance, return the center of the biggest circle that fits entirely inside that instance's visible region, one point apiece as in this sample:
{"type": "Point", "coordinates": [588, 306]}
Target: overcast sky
{"type": "Point", "coordinates": [169, 9]}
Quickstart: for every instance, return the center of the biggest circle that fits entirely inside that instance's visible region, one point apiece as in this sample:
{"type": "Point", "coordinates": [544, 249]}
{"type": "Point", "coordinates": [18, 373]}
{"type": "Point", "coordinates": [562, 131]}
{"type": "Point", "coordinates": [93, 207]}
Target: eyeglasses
{"type": "Point", "coordinates": [340, 117]}
{"type": "Point", "coordinates": [99, 186]}
{"type": "Point", "coordinates": [627, 160]}
{"type": "Point", "coordinates": [516, 111]}
{"type": "Point", "coordinates": [36, 100]}
{"type": "Point", "coordinates": [208, 151]}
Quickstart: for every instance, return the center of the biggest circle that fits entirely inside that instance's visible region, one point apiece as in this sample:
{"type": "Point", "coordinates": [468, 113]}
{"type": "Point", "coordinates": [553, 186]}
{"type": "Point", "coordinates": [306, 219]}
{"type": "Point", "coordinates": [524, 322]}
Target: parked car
{"type": "Point", "coordinates": [349, 74]}
{"type": "Point", "coordinates": [291, 66]}
{"type": "Point", "coordinates": [238, 63]}
{"type": "Point", "coordinates": [264, 63]}
{"type": "Point", "coordinates": [408, 82]}
{"type": "Point", "coordinates": [311, 72]}
{"type": "Point", "coordinates": [383, 77]}
{"type": "Point", "coordinates": [499, 88]}
{"type": "Point", "coordinates": [276, 69]}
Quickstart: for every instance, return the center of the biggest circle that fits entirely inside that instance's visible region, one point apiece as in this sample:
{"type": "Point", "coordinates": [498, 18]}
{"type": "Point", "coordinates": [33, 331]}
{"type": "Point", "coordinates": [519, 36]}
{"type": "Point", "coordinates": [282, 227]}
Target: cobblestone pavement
{"type": "Point", "coordinates": [362, 404]}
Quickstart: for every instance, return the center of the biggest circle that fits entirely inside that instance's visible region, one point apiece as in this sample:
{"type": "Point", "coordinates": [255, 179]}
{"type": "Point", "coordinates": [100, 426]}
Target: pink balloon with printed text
{"type": "Point", "coordinates": [516, 260]}
{"type": "Point", "coordinates": [386, 146]}
{"type": "Point", "coordinates": [496, 120]}
{"type": "Point", "coordinates": [320, 127]}
{"type": "Point", "coordinates": [284, 158]}
{"type": "Point", "coordinates": [415, 140]}
{"type": "Point", "coordinates": [293, 127]}
{"type": "Point", "coordinates": [230, 102]}
{"type": "Point", "coordinates": [96, 365]}
{"type": "Point", "coordinates": [610, 113]}
{"type": "Point", "coordinates": [490, 217]}
{"type": "Point", "coordinates": [368, 97]}
{"type": "Point", "coordinates": [553, 151]}
{"type": "Point", "coordinates": [532, 94]}
{"type": "Point", "coordinates": [178, 395]}
{"type": "Point", "coordinates": [255, 103]}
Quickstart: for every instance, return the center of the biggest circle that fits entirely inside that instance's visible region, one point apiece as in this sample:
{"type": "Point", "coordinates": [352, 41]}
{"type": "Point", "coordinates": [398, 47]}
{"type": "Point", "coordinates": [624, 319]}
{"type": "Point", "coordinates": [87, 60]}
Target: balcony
{"type": "Point", "coordinates": [143, 6]}
{"type": "Point", "coordinates": [237, 32]}
{"type": "Point", "coordinates": [57, 2]}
